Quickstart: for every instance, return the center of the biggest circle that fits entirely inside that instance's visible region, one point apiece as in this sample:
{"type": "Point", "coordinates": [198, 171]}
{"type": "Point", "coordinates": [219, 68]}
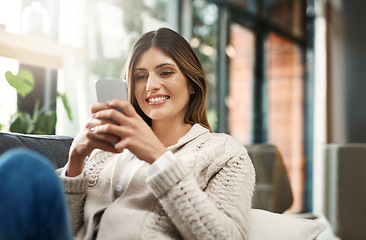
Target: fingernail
{"type": "Point", "coordinates": [92, 129]}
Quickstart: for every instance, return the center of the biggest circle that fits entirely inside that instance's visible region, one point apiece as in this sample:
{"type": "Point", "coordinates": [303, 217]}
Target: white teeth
{"type": "Point", "coordinates": [158, 99]}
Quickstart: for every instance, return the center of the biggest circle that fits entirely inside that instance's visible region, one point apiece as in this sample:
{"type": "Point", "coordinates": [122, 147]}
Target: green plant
{"type": "Point", "coordinates": [42, 121]}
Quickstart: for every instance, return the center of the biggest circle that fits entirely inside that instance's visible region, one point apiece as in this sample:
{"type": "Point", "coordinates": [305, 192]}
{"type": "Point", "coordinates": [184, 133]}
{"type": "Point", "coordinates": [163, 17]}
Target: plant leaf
{"type": "Point", "coordinates": [66, 104]}
{"type": "Point", "coordinates": [23, 82]}
{"type": "Point", "coordinates": [21, 122]}
{"type": "Point", "coordinates": [36, 111]}
{"type": "Point", "coordinates": [46, 123]}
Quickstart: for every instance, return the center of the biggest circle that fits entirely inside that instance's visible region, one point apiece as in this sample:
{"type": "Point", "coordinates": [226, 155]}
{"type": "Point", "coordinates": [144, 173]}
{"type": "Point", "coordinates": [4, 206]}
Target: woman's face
{"type": "Point", "coordinates": [161, 89]}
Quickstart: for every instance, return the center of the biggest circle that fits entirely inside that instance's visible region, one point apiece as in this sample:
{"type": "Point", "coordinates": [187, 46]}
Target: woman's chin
{"type": "Point", "coordinates": [156, 115]}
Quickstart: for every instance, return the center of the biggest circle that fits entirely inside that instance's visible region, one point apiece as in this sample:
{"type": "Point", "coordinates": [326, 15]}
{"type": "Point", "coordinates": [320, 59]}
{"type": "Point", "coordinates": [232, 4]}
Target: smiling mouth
{"type": "Point", "coordinates": [157, 99]}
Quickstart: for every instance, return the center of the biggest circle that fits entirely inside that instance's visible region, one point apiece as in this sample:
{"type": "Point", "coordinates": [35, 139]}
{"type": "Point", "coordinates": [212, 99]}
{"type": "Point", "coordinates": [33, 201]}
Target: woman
{"type": "Point", "coordinates": [156, 171]}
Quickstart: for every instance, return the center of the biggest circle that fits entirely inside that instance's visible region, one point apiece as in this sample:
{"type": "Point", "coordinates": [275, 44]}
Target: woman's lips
{"type": "Point", "coordinates": [154, 100]}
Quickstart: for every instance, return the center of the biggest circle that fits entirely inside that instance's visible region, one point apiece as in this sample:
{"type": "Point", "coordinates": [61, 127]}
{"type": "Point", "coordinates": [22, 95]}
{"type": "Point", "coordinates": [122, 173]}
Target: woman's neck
{"type": "Point", "coordinates": [169, 132]}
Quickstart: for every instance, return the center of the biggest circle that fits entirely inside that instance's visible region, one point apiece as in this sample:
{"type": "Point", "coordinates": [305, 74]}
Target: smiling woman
{"type": "Point", "coordinates": [174, 58]}
{"type": "Point", "coordinates": [168, 175]}
{"type": "Point", "coordinates": [156, 171]}
{"type": "Point", "coordinates": [163, 93]}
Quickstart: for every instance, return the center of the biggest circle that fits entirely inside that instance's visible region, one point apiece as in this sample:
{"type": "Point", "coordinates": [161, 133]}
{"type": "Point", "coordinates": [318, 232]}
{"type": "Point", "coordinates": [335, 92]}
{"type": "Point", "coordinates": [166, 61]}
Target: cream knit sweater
{"type": "Point", "coordinates": [204, 194]}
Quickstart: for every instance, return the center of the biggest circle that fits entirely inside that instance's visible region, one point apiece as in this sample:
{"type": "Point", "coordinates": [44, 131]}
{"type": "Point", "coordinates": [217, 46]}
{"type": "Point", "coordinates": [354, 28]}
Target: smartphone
{"type": "Point", "coordinates": [108, 89]}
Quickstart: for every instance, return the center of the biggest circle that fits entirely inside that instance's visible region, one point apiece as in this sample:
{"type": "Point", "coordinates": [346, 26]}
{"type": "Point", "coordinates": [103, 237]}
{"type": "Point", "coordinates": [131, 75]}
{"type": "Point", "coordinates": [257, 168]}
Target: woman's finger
{"type": "Point", "coordinates": [99, 144]}
{"type": "Point", "coordinates": [112, 116]}
{"type": "Point", "coordinates": [107, 129]}
{"type": "Point", "coordinates": [108, 138]}
{"type": "Point", "coordinates": [96, 107]}
{"type": "Point", "coordinates": [99, 121]}
{"type": "Point", "coordinates": [125, 106]}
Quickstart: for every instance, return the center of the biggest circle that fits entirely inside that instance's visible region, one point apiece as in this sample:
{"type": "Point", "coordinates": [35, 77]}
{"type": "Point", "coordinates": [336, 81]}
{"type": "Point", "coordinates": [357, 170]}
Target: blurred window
{"type": "Point", "coordinates": [266, 77]}
{"type": "Point", "coordinates": [286, 127]}
{"type": "Point", "coordinates": [204, 42]}
{"type": "Point", "coordinates": [111, 38]}
{"type": "Point", "coordinates": [248, 5]}
{"type": "Point", "coordinates": [240, 51]}
{"type": "Point", "coordinates": [288, 15]}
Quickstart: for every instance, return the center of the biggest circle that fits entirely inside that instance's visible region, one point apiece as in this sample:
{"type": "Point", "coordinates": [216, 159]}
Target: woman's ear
{"type": "Point", "coordinates": [190, 89]}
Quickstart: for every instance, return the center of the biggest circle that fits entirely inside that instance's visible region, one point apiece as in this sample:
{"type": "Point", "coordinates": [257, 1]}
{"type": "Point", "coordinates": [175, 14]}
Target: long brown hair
{"type": "Point", "coordinates": [175, 46]}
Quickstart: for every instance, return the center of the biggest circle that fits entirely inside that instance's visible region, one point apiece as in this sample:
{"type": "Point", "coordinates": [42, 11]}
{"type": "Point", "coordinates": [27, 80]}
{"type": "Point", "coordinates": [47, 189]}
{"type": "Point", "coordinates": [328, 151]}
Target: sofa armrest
{"type": "Point", "coordinates": [54, 147]}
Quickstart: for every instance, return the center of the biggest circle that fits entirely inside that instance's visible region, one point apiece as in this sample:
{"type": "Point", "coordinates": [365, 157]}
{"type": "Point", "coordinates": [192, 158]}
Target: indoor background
{"type": "Point", "coordinates": [285, 72]}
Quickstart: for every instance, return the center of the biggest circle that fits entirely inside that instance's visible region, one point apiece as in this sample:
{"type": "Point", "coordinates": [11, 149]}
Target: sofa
{"type": "Point", "coordinates": [271, 197]}
{"type": "Point", "coordinates": [55, 148]}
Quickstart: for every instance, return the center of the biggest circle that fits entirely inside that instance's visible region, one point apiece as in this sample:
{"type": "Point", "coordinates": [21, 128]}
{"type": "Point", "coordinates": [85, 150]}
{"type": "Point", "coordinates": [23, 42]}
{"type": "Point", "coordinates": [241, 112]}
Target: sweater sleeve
{"type": "Point", "coordinates": [220, 211]}
{"type": "Point", "coordinates": [75, 190]}
{"type": "Point", "coordinates": [75, 195]}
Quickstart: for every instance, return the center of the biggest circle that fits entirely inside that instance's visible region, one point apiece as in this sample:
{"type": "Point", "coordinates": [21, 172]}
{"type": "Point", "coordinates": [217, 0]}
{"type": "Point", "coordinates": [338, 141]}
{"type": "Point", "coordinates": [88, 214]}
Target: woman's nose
{"type": "Point", "coordinates": [153, 83]}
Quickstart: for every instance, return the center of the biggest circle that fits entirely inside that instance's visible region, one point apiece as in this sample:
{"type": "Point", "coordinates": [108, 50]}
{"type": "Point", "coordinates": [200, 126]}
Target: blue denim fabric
{"type": "Point", "coordinates": [32, 200]}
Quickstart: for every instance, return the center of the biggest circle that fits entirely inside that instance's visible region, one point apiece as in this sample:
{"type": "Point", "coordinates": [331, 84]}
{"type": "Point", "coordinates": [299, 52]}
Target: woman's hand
{"type": "Point", "coordinates": [86, 141]}
{"type": "Point", "coordinates": [129, 129]}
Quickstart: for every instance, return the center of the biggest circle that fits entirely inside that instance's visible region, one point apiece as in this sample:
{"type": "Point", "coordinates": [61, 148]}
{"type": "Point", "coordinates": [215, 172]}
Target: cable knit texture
{"type": "Point", "coordinates": [204, 194]}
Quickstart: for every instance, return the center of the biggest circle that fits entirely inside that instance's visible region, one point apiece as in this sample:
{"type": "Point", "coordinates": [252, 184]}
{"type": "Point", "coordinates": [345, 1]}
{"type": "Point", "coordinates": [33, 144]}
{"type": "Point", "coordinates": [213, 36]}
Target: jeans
{"type": "Point", "coordinates": [32, 200]}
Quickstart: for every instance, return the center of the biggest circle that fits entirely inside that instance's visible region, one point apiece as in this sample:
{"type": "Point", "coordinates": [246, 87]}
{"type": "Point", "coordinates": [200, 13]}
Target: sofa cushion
{"type": "Point", "coordinates": [267, 225]}
{"type": "Point", "coordinates": [56, 148]}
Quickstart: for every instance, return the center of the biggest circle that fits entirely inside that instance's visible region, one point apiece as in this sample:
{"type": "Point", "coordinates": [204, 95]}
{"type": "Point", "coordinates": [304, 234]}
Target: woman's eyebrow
{"type": "Point", "coordinates": [139, 69]}
{"type": "Point", "coordinates": [157, 66]}
{"type": "Point", "coordinates": [164, 64]}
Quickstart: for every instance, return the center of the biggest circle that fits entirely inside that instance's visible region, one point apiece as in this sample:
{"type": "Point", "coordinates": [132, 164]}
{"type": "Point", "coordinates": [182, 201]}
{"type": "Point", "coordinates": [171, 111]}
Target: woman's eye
{"type": "Point", "coordinates": [166, 73]}
{"type": "Point", "coordinates": [139, 77]}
